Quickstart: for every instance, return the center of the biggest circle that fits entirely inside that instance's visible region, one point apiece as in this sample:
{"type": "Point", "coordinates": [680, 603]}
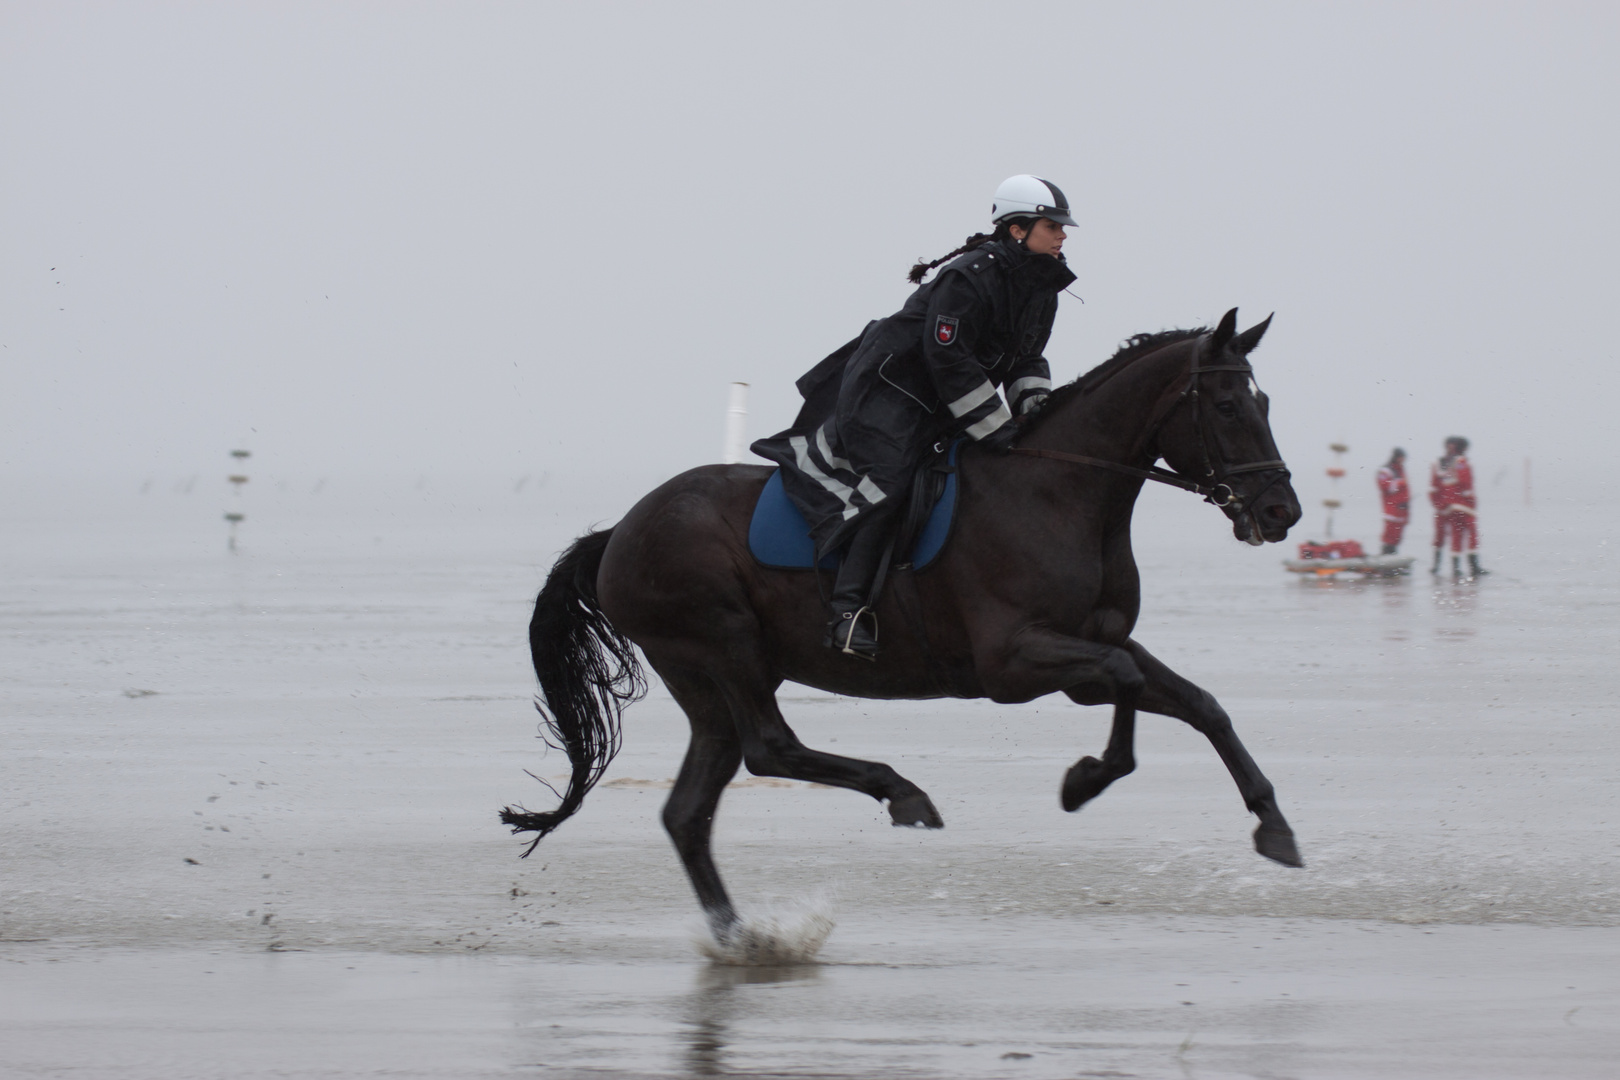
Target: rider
{"type": "Point", "coordinates": [1451, 482]}
{"type": "Point", "coordinates": [928, 372]}
{"type": "Point", "coordinates": [1397, 499]}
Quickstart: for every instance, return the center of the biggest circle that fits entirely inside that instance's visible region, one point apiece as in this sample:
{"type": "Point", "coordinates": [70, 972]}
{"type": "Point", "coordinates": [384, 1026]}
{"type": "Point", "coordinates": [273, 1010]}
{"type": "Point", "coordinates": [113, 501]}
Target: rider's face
{"type": "Point", "coordinates": [1045, 238]}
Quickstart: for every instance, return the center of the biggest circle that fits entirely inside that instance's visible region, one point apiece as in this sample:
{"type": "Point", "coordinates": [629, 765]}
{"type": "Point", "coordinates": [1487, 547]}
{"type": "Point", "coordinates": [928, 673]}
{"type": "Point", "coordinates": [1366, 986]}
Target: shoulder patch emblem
{"type": "Point", "coordinates": [945, 329]}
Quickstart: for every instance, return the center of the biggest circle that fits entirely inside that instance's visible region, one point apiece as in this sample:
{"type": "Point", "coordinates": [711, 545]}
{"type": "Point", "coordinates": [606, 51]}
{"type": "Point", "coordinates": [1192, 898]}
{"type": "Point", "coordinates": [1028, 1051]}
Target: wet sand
{"type": "Point", "coordinates": [1012, 996]}
{"type": "Point", "coordinates": [248, 826]}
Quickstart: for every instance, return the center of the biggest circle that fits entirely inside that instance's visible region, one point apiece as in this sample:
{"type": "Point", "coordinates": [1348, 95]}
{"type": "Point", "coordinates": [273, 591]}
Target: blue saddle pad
{"type": "Point", "coordinates": [780, 537]}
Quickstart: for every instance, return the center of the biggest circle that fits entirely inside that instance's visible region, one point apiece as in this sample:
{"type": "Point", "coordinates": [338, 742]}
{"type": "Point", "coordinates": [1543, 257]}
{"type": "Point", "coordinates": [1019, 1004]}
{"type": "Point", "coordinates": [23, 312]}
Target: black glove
{"type": "Point", "coordinates": [1000, 441]}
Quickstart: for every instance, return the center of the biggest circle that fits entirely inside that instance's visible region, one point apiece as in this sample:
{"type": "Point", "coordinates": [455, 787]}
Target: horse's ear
{"type": "Point", "coordinates": [1223, 333]}
{"type": "Point", "coordinates": [1246, 341]}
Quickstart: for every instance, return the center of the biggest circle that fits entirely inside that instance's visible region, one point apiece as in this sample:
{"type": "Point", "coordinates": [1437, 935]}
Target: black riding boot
{"type": "Point", "coordinates": [1473, 563]}
{"type": "Point", "coordinates": [1389, 549]}
{"type": "Point", "coordinates": [1456, 566]}
{"type": "Point", "coordinates": [854, 629]}
{"type": "Point", "coordinates": [1435, 569]}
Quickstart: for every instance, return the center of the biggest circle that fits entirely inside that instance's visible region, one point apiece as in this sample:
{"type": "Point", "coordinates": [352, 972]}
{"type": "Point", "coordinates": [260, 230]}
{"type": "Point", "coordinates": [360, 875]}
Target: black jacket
{"type": "Point", "coordinates": [995, 303]}
{"type": "Point", "coordinates": [929, 371]}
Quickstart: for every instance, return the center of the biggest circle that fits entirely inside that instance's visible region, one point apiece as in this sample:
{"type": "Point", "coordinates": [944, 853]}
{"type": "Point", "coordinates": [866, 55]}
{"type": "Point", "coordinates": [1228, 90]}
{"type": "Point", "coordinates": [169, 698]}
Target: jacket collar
{"type": "Point", "coordinates": [1034, 271]}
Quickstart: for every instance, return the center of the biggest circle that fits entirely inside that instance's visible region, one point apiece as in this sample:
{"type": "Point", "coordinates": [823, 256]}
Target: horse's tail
{"type": "Point", "coordinates": [588, 675]}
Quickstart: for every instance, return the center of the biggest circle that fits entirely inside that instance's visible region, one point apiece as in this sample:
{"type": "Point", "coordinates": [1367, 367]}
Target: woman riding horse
{"type": "Point", "coordinates": [1035, 593]}
{"type": "Point", "coordinates": [928, 372]}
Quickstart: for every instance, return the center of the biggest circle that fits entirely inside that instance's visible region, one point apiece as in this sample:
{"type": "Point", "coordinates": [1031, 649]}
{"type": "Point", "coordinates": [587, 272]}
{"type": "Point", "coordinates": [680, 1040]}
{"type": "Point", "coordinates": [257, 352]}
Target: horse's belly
{"type": "Point", "coordinates": [884, 679]}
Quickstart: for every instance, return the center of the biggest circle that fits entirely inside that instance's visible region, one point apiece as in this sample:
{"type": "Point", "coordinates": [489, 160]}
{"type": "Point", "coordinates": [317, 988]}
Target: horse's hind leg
{"type": "Point", "coordinates": [1167, 693]}
{"type": "Point", "coordinates": [712, 758]}
{"type": "Point", "coordinates": [770, 748]}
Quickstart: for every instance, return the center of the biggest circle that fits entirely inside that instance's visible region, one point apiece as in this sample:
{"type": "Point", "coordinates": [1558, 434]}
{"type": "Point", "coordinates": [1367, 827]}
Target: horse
{"type": "Point", "coordinates": [1036, 592]}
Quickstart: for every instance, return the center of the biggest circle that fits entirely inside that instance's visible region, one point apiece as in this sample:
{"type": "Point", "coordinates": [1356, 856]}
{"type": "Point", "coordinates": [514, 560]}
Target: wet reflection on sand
{"type": "Point", "coordinates": [713, 1004]}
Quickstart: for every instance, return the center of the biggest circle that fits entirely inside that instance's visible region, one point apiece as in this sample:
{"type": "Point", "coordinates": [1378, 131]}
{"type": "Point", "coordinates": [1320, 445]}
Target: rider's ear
{"type": "Point", "coordinates": [1223, 333]}
{"type": "Point", "coordinates": [1246, 341]}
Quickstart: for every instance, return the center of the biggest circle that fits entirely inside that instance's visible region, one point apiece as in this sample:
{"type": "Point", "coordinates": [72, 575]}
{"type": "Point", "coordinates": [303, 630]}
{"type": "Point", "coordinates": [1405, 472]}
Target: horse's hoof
{"type": "Point", "coordinates": [1277, 845]}
{"type": "Point", "coordinates": [918, 809]}
{"type": "Point", "coordinates": [1083, 782]}
{"type": "Point", "coordinates": [723, 924]}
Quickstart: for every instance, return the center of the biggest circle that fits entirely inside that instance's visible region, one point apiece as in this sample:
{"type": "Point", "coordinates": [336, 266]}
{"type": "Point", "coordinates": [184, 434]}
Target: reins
{"type": "Point", "coordinates": [1163, 476]}
{"type": "Point", "coordinates": [1212, 493]}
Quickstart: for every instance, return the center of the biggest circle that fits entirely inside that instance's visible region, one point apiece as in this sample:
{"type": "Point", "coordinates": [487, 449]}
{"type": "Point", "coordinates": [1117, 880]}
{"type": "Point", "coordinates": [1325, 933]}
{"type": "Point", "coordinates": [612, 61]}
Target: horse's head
{"type": "Point", "coordinates": [1218, 434]}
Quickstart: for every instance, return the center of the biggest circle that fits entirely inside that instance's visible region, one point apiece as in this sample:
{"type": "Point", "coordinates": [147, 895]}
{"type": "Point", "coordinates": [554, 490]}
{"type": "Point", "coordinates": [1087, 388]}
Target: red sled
{"type": "Point", "coordinates": [1335, 549]}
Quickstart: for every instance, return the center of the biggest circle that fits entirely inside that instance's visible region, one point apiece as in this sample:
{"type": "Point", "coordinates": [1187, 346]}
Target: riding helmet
{"type": "Point", "coordinates": [1030, 196]}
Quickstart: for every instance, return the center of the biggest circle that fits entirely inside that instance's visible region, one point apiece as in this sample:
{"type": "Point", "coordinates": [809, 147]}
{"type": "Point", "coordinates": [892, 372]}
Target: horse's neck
{"type": "Point", "coordinates": [1114, 420]}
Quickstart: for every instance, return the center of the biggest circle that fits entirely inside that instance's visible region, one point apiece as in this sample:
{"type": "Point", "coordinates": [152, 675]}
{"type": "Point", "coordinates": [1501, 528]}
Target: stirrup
{"type": "Point", "coordinates": [853, 618]}
{"type": "Point", "coordinates": [849, 621]}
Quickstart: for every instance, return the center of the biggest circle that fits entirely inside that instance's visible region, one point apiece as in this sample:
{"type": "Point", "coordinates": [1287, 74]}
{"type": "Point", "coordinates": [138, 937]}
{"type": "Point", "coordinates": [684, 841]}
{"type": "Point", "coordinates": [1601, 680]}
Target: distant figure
{"type": "Point", "coordinates": [1397, 499]}
{"type": "Point", "coordinates": [1451, 490]}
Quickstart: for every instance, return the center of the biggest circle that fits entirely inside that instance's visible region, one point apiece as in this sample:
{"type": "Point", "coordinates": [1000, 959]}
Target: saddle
{"type": "Point", "coordinates": [779, 536]}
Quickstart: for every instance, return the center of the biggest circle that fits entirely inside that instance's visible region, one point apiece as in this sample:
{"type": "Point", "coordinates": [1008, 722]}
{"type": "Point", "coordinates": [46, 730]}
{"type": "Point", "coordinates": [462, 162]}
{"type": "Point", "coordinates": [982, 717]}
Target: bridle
{"type": "Point", "coordinates": [1213, 486]}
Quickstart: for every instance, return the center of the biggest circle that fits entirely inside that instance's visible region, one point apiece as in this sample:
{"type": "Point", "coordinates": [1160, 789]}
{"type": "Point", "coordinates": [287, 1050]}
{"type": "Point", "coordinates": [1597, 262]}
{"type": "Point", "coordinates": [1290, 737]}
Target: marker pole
{"type": "Point", "coordinates": [736, 424]}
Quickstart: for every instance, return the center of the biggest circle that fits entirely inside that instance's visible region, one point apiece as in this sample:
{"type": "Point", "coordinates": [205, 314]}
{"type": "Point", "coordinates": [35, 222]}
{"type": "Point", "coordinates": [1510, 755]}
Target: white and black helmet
{"type": "Point", "coordinates": [1029, 196]}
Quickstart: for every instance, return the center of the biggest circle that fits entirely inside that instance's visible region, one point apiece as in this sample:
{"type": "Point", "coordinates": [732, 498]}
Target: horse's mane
{"type": "Point", "coordinates": [1138, 346]}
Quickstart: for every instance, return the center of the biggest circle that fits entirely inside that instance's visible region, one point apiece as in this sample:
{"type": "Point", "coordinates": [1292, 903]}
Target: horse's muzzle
{"type": "Point", "coordinates": [1268, 517]}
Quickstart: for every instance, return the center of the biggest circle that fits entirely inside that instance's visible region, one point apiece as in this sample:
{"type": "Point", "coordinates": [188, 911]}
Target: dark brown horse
{"type": "Point", "coordinates": [1036, 593]}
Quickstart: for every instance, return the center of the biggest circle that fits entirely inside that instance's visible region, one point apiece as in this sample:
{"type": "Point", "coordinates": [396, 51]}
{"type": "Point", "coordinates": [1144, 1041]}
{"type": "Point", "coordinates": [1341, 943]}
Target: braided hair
{"type": "Point", "coordinates": [977, 240]}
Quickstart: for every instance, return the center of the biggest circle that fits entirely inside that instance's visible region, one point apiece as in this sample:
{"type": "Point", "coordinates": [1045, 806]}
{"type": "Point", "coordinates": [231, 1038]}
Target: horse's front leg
{"type": "Point", "coordinates": [1041, 662]}
{"type": "Point", "coordinates": [1087, 777]}
{"type": "Point", "coordinates": [1169, 694]}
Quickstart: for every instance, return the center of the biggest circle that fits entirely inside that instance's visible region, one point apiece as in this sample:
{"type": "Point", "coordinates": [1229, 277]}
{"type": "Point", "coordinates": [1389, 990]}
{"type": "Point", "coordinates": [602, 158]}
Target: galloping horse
{"type": "Point", "coordinates": [1036, 593]}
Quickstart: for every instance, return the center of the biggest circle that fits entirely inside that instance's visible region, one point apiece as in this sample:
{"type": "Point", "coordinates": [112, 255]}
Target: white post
{"type": "Point", "coordinates": [736, 424]}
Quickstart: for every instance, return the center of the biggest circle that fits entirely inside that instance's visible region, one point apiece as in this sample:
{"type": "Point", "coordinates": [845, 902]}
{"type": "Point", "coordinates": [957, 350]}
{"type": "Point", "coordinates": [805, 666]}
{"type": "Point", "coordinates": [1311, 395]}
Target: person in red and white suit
{"type": "Point", "coordinates": [1451, 490]}
{"type": "Point", "coordinates": [1397, 499]}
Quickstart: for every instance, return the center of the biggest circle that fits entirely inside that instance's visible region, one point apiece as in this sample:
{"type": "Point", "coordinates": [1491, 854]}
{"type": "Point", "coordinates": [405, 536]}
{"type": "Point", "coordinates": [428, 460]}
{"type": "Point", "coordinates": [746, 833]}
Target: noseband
{"type": "Point", "coordinates": [1213, 485]}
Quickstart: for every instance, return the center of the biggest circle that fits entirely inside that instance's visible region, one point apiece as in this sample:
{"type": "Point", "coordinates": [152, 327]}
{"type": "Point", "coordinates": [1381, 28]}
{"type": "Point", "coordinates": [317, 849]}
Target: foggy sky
{"type": "Point", "coordinates": [511, 237]}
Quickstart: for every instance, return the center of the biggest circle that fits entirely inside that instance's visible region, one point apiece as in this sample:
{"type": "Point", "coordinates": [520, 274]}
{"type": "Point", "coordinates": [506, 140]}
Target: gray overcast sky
{"type": "Point", "coordinates": [511, 237]}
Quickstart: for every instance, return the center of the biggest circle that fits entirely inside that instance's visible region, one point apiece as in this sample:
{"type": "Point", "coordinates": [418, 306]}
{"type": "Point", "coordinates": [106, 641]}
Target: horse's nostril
{"type": "Point", "coordinates": [1278, 512]}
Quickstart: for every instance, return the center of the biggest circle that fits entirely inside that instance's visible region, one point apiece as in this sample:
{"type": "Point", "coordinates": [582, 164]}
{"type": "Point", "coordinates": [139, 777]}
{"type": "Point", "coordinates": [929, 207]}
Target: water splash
{"type": "Point", "coordinates": [779, 937]}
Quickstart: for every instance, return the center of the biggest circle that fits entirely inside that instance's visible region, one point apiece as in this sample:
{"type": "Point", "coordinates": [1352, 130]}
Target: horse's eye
{"type": "Point", "coordinates": [1226, 409]}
